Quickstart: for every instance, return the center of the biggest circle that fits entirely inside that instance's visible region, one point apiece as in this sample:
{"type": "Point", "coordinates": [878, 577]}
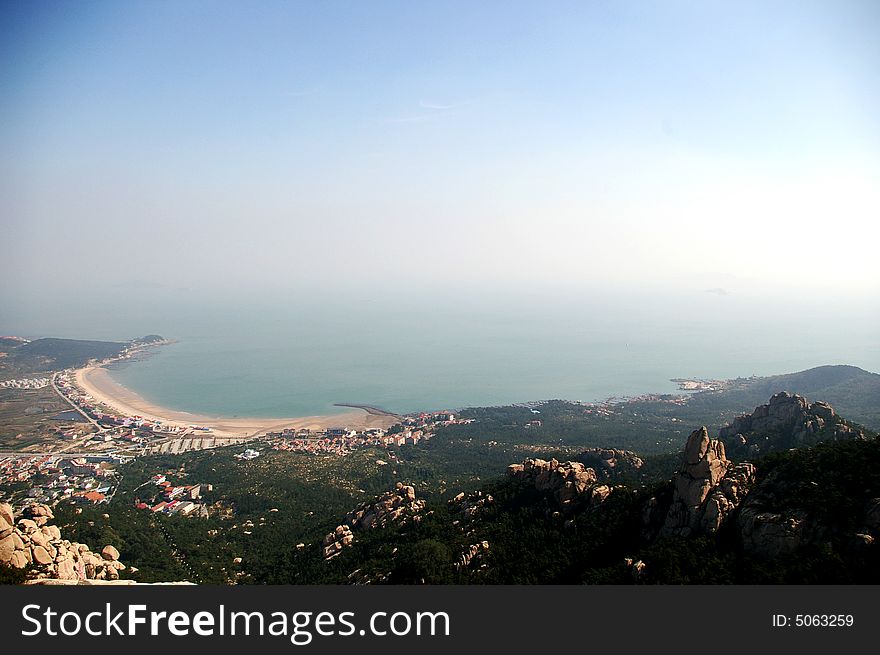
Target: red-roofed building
{"type": "Point", "coordinates": [94, 497]}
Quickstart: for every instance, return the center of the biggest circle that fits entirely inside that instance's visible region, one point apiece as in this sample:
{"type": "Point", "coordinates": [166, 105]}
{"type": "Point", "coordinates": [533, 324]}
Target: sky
{"type": "Point", "coordinates": [218, 149]}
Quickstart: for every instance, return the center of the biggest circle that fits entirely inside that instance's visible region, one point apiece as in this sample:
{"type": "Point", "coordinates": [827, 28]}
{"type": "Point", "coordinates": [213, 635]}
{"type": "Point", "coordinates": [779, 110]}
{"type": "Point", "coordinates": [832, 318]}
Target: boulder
{"type": "Point", "coordinates": [19, 560]}
{"type": "Point", "coordinates": [51, 531]}
{"type": "Point", "coordinates": [41, 555]}
{"type": "Point", "coordinates": [7, 549]}
{"type": "Point", "coordinates": [37, 509]}
{"type": "Point", "coordinates": [27, 526]}
{"type": "Point", "coordinates": [40, 539]}
{"type": "Point", "coordinates": [66, 570]}
{"type": "Point", "coordinates": [38, 513]}
{"type": "Point", "coordinates": [599, 494]}
{"type": "Point", "coordinates": [6, 526]}
{"type": "Point", "coordinates": [861, 540]}
{"type": "Point", "coordinates": [110, 553]}
{"type": "Point", "coordinates": [6, 513]}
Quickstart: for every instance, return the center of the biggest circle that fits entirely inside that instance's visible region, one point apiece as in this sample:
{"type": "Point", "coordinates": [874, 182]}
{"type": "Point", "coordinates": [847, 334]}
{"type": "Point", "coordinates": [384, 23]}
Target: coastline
{"type": "Point", "coordinates": [97, 383]}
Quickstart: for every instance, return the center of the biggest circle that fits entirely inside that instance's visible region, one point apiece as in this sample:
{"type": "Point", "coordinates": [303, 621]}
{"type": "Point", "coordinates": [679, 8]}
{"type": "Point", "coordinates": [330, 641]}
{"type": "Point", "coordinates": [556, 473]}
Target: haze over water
{"type": "Point", "coordinates": [263, 359]}
{"type": "Point", "coordinates": [430, 205]}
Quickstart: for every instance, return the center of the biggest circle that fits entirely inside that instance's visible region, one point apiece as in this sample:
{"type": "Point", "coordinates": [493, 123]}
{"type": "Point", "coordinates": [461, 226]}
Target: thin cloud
{"type": "Point", "coordinates": [426, 104]}
{"type": "Point", "coordinates": [718, 291]}
{"type": "Point", "coordinates": [419, 118]}
{"type": "Point", "coordinates": [436, 111]}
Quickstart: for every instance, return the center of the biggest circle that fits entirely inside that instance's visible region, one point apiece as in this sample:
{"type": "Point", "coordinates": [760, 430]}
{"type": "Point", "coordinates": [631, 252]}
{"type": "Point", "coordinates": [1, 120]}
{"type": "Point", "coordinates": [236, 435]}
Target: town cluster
{"type": "Point", "coordinates": [51, 478]}
{"type": "Point", "coordinates": [26, 383]}
{"type": "Point", "coordinates": [341, 441]}
{"type": "Point", "coordinates": [132, 433]}
{"type": "Point", "coordinates": [184, 500]}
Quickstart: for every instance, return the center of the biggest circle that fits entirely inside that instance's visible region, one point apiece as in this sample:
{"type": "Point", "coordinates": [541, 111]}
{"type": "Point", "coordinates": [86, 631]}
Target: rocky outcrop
{"type": "Point", "coordinates": [471, 504]}
{"type": "Point", "coordinates": [335, 541]}
{"type": "Point", "coordinates": [636, 568]}
{"type": "Point", "coordinates": [473, 552]}
{"type": "Point", "coordinates": [396, 506]}
{"type": "Point", "coordinates": [609, 460]}
{"type": "Point", "coordinates": [31, 542]}
{"type": "Point", "coordinates": [769, 534]}
{"type": "Point", "coordinates": [54, 582]}
{"type": "Point", "coordinates": [570, 483]}
{"type": "Point", "coordinates": [706, 489]}
{"type": "Point", "coordinates": [787, 421]}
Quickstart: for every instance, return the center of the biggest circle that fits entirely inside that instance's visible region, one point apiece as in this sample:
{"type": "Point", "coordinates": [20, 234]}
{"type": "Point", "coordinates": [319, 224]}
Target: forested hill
{"type": "Point", "coordinates": [50, 354]}
{"type": "Point", "coordinates": [854, 392]}
{"type": "Point", "coordinates": [809, 514]}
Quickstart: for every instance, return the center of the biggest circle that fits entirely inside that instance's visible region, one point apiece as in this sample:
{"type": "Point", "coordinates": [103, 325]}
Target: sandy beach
{"type": "Point", "coordinates": [97, 383]}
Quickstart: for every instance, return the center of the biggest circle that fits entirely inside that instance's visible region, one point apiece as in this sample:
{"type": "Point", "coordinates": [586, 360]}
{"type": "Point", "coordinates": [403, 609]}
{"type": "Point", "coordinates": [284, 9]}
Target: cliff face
{"type": "Point", "coordinates": [787, 421]}
{"type": "Point", "coordinates": [27, 540]}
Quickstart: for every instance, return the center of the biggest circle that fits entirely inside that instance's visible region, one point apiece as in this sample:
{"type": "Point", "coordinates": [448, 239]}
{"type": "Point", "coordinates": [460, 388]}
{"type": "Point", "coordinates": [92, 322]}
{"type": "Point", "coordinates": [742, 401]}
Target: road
{"type": "Point", "coordinates": [74, 405]}
{"type": "Point", "coordinates": [59, 453]}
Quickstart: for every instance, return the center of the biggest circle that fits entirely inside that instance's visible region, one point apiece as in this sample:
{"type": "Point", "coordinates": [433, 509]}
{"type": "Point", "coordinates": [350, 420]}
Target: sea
{"type": "Point", "coordinates": [429, 354]}
{"type": "Point", "coordinates": [298, 357]}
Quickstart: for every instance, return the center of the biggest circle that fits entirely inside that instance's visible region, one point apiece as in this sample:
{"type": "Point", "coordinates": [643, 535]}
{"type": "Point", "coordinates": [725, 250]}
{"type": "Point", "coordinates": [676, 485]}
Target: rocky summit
{"type": "Point", "coordinates": [787, 421]}
{"type": "Point", "coordinates": [28, 541]}
{"type": "Point", "coordinates": [707, 487]}
{"type": "Point", "coordinates": [395, 506]}
{"type": "Point", "coordinates": [571, 484]}
{"type": "Point", "coordinates": [606, 460]}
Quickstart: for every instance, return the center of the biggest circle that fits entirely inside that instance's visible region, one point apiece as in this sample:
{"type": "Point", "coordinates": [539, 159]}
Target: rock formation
{"type": "Point", "coordinates": [474, 551]}
{"type": "Point", "coordinates": [392, 506]}
{"type": "Point", "coordinates": [787, 421]}
{"type": "Point", "coordinates": [706, 489]}
{"type": "Point", "coordinates": [607, 460]}
{"type": "Point", "coordinates": [571, 483]}
{"type": "Point", "coordinates": [769, 534]}
{"type": "Point", "coordinates": [32, 543]}
{"type": "Point", "coordinates": [471, 504]}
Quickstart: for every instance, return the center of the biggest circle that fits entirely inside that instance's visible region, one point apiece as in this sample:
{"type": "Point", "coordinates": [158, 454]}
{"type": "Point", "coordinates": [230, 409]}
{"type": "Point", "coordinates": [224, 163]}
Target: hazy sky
{"type": "Point", "coordinates": [722, 146]}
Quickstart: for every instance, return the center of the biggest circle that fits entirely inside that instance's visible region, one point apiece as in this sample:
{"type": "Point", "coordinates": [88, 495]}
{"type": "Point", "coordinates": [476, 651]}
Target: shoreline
{"type": "Point", "coordinates": [96, 382]}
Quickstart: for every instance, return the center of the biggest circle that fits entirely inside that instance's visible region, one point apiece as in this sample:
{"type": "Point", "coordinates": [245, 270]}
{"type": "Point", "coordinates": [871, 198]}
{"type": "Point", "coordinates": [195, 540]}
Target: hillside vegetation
{"type": "Point", "coordinates": [594, 497]}
{"type": "Point", "coordinates": [46, 355]}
